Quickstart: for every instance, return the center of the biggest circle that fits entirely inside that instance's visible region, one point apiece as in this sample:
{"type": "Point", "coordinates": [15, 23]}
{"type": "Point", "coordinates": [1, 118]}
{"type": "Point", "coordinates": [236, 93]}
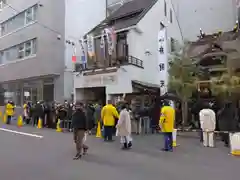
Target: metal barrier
{"type": "Point", "coordinates": [199, 130]}
{"type": "Point", "coordinates": [66, 125]}
{"type": "Point", "coordinates": [141, 126]}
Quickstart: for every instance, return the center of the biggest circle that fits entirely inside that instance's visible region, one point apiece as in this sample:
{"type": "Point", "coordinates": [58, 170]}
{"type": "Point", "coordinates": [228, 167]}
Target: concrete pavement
{"type": "Point", "coordinates": [25, 157]}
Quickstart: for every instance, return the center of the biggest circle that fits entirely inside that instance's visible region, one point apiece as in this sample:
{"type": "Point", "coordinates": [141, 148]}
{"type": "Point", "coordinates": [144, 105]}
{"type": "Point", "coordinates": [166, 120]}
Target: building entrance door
{"type": "Point", "coordinates": [48, 92]}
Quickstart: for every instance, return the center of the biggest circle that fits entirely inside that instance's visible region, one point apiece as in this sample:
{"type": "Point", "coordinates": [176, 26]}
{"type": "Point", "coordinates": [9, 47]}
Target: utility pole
{"type": "Point", "coordinates": [106, 4]}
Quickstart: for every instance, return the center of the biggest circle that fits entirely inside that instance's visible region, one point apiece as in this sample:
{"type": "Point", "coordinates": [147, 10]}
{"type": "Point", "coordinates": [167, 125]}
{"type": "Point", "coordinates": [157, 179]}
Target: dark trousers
{"type": "Point", "coordinates": [9, 118]}
{"type": "Point", "coordinates": [168, 141]}
{"type": "Point", "coordinates": [26, 119]}
{"type": "Point", "coordinates": [201, 135]}
{"type": "Point", "coordinates": [35, 120]}
{"type": "Point", "coordinates": [108, 133]}
{"type": "Point", "coordinates": [225, 138]}
{"type": "Point", "coordinates": [78, 135]}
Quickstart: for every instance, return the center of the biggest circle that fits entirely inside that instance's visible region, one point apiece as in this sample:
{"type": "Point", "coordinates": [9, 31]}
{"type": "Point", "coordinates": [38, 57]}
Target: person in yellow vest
{"type": "Point", "coordinates": [109, 116]}
{"type": "Point", "coordinates": [9, 111]}
{"type": "Point", "coordinates": [166, 123]}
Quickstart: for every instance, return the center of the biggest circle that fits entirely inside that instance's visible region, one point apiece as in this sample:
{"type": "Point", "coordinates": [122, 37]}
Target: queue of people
{"type": "Point", "coordinates": [112, 122]}
{"type": "Point", "coordinates": [117, 120]}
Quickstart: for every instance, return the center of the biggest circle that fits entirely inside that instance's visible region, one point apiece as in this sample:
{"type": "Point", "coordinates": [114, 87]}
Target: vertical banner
{"type": "Point", "coordinates": [90, 46]}
{"type": "Point", "coordinates": [74, 55]}
{"type": "Point", "coordinates": [238, 3]}
{"type": "Point", "coordinates": [102, 45]}
{"type": "Point", "coordinates": [111, 39]}
{"type": "Point", "coordinates": [1, 5]}
{"type": "Point", "coordinates": [83, 53]}
{"type": "Point", "coordinates": [163, 60]}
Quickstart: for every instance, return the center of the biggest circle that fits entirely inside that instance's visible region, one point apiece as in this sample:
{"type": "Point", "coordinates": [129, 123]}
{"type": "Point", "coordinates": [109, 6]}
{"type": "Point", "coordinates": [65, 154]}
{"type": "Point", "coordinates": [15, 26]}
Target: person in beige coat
{"type": "Point", "coordinates": [124, 128]}
{"type": "Point", "coordinates": [208, 123]}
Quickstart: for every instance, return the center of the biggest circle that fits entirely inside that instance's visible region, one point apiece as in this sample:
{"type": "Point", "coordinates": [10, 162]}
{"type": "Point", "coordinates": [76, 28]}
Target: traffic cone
{"type": "Point", "coordinates": [99, 132]}
{"type": "Point", "coordinates": [58, 128]}
{"type": "Point", "coordinates": [20, 121]}
{"type": "Point", "coordinates": [5, 119]}
{"type": "Point", "coordinates": [1, 116]}
{"type": "Point", "coordinates": [39, 125]}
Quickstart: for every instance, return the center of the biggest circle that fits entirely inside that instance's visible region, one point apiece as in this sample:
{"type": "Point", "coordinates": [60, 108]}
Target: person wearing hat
{"type": "Point", "coordinates": [166, 123]}
{"type": "Point", "coordinates": [80, 127]}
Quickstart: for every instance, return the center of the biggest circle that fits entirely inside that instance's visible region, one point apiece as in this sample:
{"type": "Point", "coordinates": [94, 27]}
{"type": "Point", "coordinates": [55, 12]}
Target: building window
{"type": "Point", "coordinates": [30, 15]}
{"type": "Point", "coordinates": [165, 8]}
{"type": "Point", "coordinates": [1, 58]}
{"type": "Point", "coordinates": [19, 51]}
{"type": "Point", "coordinates": [171, 16]}
{"type": "Point", "coordinates": [18, 21]}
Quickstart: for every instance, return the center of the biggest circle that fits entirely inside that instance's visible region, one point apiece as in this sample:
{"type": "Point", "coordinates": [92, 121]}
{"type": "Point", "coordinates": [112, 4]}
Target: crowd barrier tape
{"type": "Point", "coordinates": [198, 130]}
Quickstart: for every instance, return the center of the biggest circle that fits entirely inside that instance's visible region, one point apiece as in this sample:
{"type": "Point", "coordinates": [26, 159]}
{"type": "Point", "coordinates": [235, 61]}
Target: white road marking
{"type": "Point", "coordinates": [21, 133]}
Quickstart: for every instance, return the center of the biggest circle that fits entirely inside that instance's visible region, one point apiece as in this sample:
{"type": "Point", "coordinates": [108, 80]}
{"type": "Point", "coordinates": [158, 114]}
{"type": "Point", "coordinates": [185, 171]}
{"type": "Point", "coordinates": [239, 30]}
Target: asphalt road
{"type": "Point", "coordinates": [25, 157]}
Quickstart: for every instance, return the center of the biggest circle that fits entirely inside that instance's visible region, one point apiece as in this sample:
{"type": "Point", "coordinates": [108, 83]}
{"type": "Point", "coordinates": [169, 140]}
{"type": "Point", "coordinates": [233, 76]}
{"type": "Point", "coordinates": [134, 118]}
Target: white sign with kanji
{"type": "Point", "coordinates": [163, 60]}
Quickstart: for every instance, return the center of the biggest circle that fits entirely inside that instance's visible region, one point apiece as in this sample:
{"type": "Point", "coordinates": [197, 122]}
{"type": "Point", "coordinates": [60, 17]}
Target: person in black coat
{"type": "Point", "coordinates": [38, 112]}
{"type": "Point", "coordinates": [155, 114]}
{"type": "Point", "coordinates": [80, 126]}
{"type": "Point", "coordinates": [90, 116]}
{"type": "Point", "coordinates": [62, 115]}
{"type": "Point", "coordinates": [228, 121]}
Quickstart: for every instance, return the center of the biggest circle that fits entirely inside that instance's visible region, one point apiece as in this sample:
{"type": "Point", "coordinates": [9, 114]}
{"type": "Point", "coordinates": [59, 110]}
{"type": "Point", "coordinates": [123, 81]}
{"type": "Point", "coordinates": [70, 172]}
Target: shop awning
{"type": "Point", "coordinates": [145, 86]}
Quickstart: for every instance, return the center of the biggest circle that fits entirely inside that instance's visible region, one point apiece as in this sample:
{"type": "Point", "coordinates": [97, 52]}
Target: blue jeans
{"type": "Point", "coordinates": [168, 141]}
{"type": "Point", "coordinates": [9, 118]}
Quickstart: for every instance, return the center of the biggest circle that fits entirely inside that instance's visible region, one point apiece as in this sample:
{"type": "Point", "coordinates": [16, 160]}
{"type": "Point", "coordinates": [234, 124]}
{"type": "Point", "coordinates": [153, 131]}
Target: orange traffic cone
{"type": "Point", "coordinates": [5, 119]}
{"type": "Point", "coordinates": [58, 128]}
{"type": "Point", "coordinates": [99, 133]}
{"type": "Point", "coordinates": [39, 125]}
{"type": "Point", "coordinates": [1, 116]}
{"type": "Point", "coordinates": [20, 121]}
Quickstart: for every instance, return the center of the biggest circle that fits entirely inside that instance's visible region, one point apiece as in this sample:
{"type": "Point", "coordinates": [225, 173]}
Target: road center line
{"type": "Point", "coordinates": [21, 133]}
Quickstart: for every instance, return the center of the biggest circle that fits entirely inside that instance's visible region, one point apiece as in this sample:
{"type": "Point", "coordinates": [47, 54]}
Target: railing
{"type": "Point", "coordinates": [121, 61]}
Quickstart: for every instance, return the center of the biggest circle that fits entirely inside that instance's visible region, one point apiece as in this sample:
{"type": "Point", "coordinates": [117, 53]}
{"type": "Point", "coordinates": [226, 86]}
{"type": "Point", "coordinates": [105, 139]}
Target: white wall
{"type": "Point", "coordinates": [148, 39]}
{"type": "Point", "coordinates": [122, 83]}
{"type": "Point", "coordinates": [210, 15]}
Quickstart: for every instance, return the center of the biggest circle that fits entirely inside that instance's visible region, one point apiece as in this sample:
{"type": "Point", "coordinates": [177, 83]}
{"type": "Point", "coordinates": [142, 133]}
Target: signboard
{"type": "Point", "coordinates": [26, 94]}
{"type": "Point", "coordinates": [8, 94]}
{"type": "Point", "coordinates": [163, 60]}
{"type": "Point", "coordinates": [100, 80]}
